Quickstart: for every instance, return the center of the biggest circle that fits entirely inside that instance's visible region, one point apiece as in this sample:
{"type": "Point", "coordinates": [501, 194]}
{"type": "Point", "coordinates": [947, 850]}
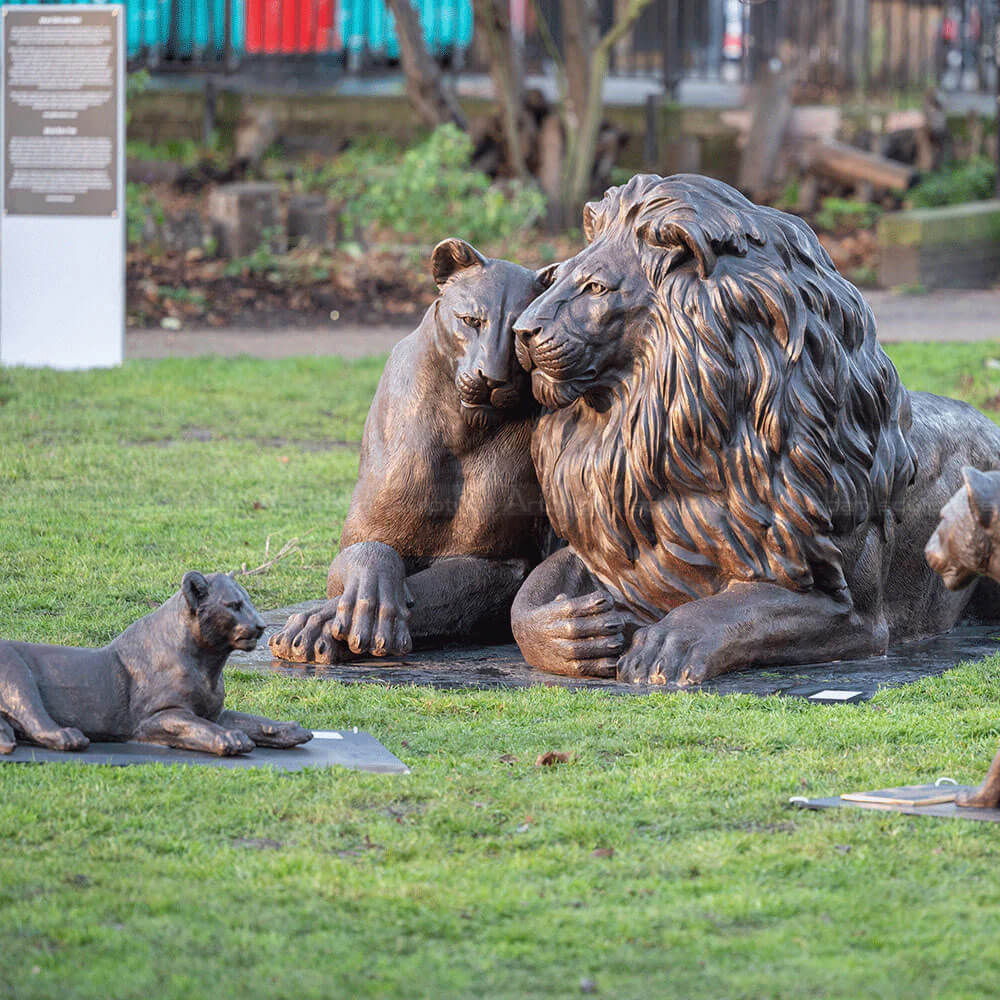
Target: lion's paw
{"type": "Point", "coordinates": [669, 652]}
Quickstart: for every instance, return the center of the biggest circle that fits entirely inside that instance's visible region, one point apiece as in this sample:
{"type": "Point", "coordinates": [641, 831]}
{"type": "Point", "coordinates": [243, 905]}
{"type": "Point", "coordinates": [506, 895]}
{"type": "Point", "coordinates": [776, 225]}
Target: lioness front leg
{"type": "Point", "coordinates": [748, 624]}
{"type": "Point", "coordinates": [367, 610]}
{"type": "Point", "coordinates": [265, 732]}
{"type": "Point", "coordinates": [184, 730]}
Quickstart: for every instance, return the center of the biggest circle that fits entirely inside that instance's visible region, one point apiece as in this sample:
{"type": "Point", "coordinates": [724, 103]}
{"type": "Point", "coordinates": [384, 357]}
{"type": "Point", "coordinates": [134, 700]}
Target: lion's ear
{"type": "Point", "coordinates": [545, 276]}
{"type": "Point", "coordinates": [590, 220]}
{"type": "Point", "coordinates": [982, 490]}
{"type": "Point", "coordinates": [195, 588]}
{"type": "Point", "coordinates": [451, 256]}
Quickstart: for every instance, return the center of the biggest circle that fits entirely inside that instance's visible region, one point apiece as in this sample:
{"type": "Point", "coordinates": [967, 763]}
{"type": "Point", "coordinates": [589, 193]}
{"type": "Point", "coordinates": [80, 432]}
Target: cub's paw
{"type": "Point", "coordinates": [283, 735]}
{"type": "Point", "coordinates": [66, 738]}
{"type": "Point", "coordinates": [986, 796]}
{"type": "Point", "coordinates": [230, 742]}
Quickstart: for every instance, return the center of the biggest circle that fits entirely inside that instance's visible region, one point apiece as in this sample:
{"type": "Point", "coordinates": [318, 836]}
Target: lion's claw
{"type": "Point", "coordinates": [231, 742]}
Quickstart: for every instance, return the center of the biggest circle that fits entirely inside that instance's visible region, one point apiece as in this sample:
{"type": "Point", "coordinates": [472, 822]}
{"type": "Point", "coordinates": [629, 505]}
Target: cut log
{"type": "Point", "coordinates": [848, 165]}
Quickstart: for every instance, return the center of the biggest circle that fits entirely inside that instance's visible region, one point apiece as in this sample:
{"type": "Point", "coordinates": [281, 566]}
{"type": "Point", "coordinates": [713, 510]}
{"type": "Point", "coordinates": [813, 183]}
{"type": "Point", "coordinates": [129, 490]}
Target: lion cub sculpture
{"type": "Point", "coordinates": [447, 518]}
{"type": "Point", "coordinates": [966, 545]}
{"type": "Point", "coordinates": [160, 681]}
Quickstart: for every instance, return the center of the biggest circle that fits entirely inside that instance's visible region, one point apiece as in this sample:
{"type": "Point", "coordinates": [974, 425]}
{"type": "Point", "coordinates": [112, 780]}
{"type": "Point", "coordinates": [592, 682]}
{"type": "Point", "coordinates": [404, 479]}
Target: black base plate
{"type": "Point", "coordinates": [477, 666]}
{"type": "Point", "coordinates": [345, 748]}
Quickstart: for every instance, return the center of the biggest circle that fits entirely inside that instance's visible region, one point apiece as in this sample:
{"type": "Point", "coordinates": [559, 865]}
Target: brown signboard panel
{"type": "Point", "coordinates": [61, 93]}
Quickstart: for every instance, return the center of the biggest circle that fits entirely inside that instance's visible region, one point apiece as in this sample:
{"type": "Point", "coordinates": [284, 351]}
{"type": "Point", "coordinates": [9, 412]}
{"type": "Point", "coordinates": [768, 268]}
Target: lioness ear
{"type": "Point", "coordinates": [982, 490]}
{"type": "Point", "coordinates": [195, 588]}
{"type": "Point", "coordinates": [451, 256]}
{"type": "Point", "coordinates": [545, 277]}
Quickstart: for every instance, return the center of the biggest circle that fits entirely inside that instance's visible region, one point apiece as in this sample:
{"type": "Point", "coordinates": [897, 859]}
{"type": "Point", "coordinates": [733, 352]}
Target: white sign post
{"type": "Point", "coordinates": [62, 182]}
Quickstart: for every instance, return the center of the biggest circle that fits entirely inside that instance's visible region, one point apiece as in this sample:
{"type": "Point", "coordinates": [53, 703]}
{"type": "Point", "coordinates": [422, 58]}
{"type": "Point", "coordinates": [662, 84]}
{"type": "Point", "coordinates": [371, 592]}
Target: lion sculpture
{"type": "Point", "coordinates": [740, 475]}
{"type": "Point", "coordinates": [160, 681]}
{"type": "Point", "coordinates": [447, 519]}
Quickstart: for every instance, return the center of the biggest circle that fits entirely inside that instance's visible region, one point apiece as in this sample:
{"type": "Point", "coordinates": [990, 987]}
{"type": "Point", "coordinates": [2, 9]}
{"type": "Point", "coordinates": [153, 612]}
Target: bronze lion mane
{"type": "Point", "coordinates": [740, 475]}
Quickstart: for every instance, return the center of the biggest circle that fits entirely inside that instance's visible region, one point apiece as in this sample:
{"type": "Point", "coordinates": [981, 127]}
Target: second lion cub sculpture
{"type": "Point", "coordinates": [160, 681]}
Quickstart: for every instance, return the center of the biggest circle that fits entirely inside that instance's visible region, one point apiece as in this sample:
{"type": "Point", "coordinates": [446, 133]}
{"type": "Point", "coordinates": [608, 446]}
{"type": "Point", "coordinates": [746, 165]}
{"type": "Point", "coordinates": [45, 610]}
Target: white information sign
{"type": "Point", "coordinates": [62, 183]}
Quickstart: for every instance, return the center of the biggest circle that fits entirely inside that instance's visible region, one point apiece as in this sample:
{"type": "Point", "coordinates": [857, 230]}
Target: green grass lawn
{"type": "Point", "coordinates": [662, 861]}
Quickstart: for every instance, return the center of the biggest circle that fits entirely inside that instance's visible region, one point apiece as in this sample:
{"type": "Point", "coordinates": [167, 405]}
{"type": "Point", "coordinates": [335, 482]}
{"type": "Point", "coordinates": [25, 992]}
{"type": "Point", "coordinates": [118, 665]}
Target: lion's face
{"type": "Point", "coordinates": [475, 313]}
{"type": "Point", "coordinates": [225, 616]}
{"type": "Point", "coordinates": [578, 338]}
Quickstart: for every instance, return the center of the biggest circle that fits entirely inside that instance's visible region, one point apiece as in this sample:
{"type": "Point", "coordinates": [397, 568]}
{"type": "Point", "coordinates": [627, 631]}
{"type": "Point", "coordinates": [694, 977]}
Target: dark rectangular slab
{"type": "Point", "coordinates": [477, 666]}
{"type": "Point", "coordinates": [356, 750]}
{"type": "Point", "coordinates": [946, 810]}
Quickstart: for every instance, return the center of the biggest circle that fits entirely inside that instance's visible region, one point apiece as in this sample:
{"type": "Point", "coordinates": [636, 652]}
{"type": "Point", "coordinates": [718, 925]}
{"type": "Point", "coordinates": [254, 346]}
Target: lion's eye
{"type": "Point", "coordinates": [234, 605]}
{"type": "Point", "coordinates": [595, 288]}
{"type": "Point", "coordinates": [474, 321]}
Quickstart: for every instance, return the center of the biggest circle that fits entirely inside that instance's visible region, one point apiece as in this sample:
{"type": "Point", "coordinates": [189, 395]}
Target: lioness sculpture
{"type": "Point", "coordinates": [739, 473]}
{"type": "Point", "coordinates": [160, 681]}
{"type": "Point", "coordinates": [446, 518]}
{"type": "Point", "coordinates": [964, 545]}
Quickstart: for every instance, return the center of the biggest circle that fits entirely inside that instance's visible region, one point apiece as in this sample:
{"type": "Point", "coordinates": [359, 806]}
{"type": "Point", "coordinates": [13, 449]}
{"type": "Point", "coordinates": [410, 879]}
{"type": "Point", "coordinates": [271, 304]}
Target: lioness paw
{"type": "Point", "coordinates": [66, 738]}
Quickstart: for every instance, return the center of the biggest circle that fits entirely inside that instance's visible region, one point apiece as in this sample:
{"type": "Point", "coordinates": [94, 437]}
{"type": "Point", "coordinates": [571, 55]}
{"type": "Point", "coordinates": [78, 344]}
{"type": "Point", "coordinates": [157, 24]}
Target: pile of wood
{"type": "Point", "coordinates": [543, 142]}
{"type": "Point", "coordinates": [781, 142]}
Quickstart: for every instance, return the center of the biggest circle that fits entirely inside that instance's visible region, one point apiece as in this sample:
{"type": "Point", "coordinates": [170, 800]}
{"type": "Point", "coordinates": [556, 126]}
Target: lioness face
{"type": "Point", "coordinates": [576, 339]}
{"type": "Point", "coordinates": [479, 301]}
{"type": "Point", "coordinates": [226, 617]}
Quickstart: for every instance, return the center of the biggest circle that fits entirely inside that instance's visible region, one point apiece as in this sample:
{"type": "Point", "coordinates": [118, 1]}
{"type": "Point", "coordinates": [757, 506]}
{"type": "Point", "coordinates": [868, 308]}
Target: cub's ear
{"type": "Point", "coordinates": [545, 277]}
{"type": "Point", "coordinates": [983, 489]}
{"type": "Point", "coordinates": [451, 256]}
{"type": "Point", "coordinates": [195, 588]}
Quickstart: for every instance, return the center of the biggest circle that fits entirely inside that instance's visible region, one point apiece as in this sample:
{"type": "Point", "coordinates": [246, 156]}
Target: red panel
{"type": "Point", "coordinates": [290, 26]}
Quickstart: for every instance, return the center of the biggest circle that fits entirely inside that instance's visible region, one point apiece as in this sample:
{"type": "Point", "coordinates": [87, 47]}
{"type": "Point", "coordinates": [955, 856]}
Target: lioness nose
{"type": "Point", "coordinates": [527, 332]}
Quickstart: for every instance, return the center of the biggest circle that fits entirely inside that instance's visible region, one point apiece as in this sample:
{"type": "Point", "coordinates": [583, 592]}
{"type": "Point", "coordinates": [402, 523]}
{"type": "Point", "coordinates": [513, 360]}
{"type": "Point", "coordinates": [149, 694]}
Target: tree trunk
{"type": "Point", "coordinates": [492, 17]}
{"type": "Point", "coordinates": [583, 135]}
{"type": "Point", "coordinates": [425, 88]}
{"type": "Point", "coordinates": [580, 28]}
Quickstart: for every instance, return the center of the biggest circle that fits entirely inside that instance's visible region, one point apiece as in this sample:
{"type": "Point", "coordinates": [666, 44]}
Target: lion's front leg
{"type": "Point", "coordinates": [748, 624]}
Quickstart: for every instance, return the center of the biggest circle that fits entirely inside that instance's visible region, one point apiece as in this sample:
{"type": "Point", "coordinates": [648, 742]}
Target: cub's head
{"type": "Point", "coordinates": [962, 546]}
{"type": "Point", "coordinates": [223, 617]}
{"type": "Point", "coordinates": [474, 319]}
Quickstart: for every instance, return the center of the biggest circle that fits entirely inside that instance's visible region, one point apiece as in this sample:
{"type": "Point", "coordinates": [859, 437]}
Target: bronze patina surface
{"type": "Point", "coordinates": [740, 475]}
{"type": "Point", "coordinates": [160, 681]}
{"type": "Point", "coordinates": [965, 546]}
{"type": "Point", "coordinates": [446, 519]}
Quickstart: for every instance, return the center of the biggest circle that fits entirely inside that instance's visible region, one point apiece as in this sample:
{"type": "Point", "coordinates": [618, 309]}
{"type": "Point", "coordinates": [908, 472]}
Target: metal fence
{"type": "Point", "coordinates": [839, 45]}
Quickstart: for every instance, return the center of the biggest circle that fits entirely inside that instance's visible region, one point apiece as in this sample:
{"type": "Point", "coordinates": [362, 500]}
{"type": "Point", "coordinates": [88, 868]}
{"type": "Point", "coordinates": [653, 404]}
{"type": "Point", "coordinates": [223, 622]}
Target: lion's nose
{"type": "Point", "coordinates": [490, 380]}
{"type": "Point", "coordinates": [527, 332]}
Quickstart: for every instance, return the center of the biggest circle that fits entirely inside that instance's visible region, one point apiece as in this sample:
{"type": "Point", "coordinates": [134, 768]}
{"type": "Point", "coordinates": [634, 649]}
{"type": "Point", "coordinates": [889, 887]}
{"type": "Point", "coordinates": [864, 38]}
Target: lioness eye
{"type": "Point", "coordinates": [235, 605]}
{"type": "Point", "coordinates": [474, 321]}
{"type": "Point", "coordinates": [595, 288]}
